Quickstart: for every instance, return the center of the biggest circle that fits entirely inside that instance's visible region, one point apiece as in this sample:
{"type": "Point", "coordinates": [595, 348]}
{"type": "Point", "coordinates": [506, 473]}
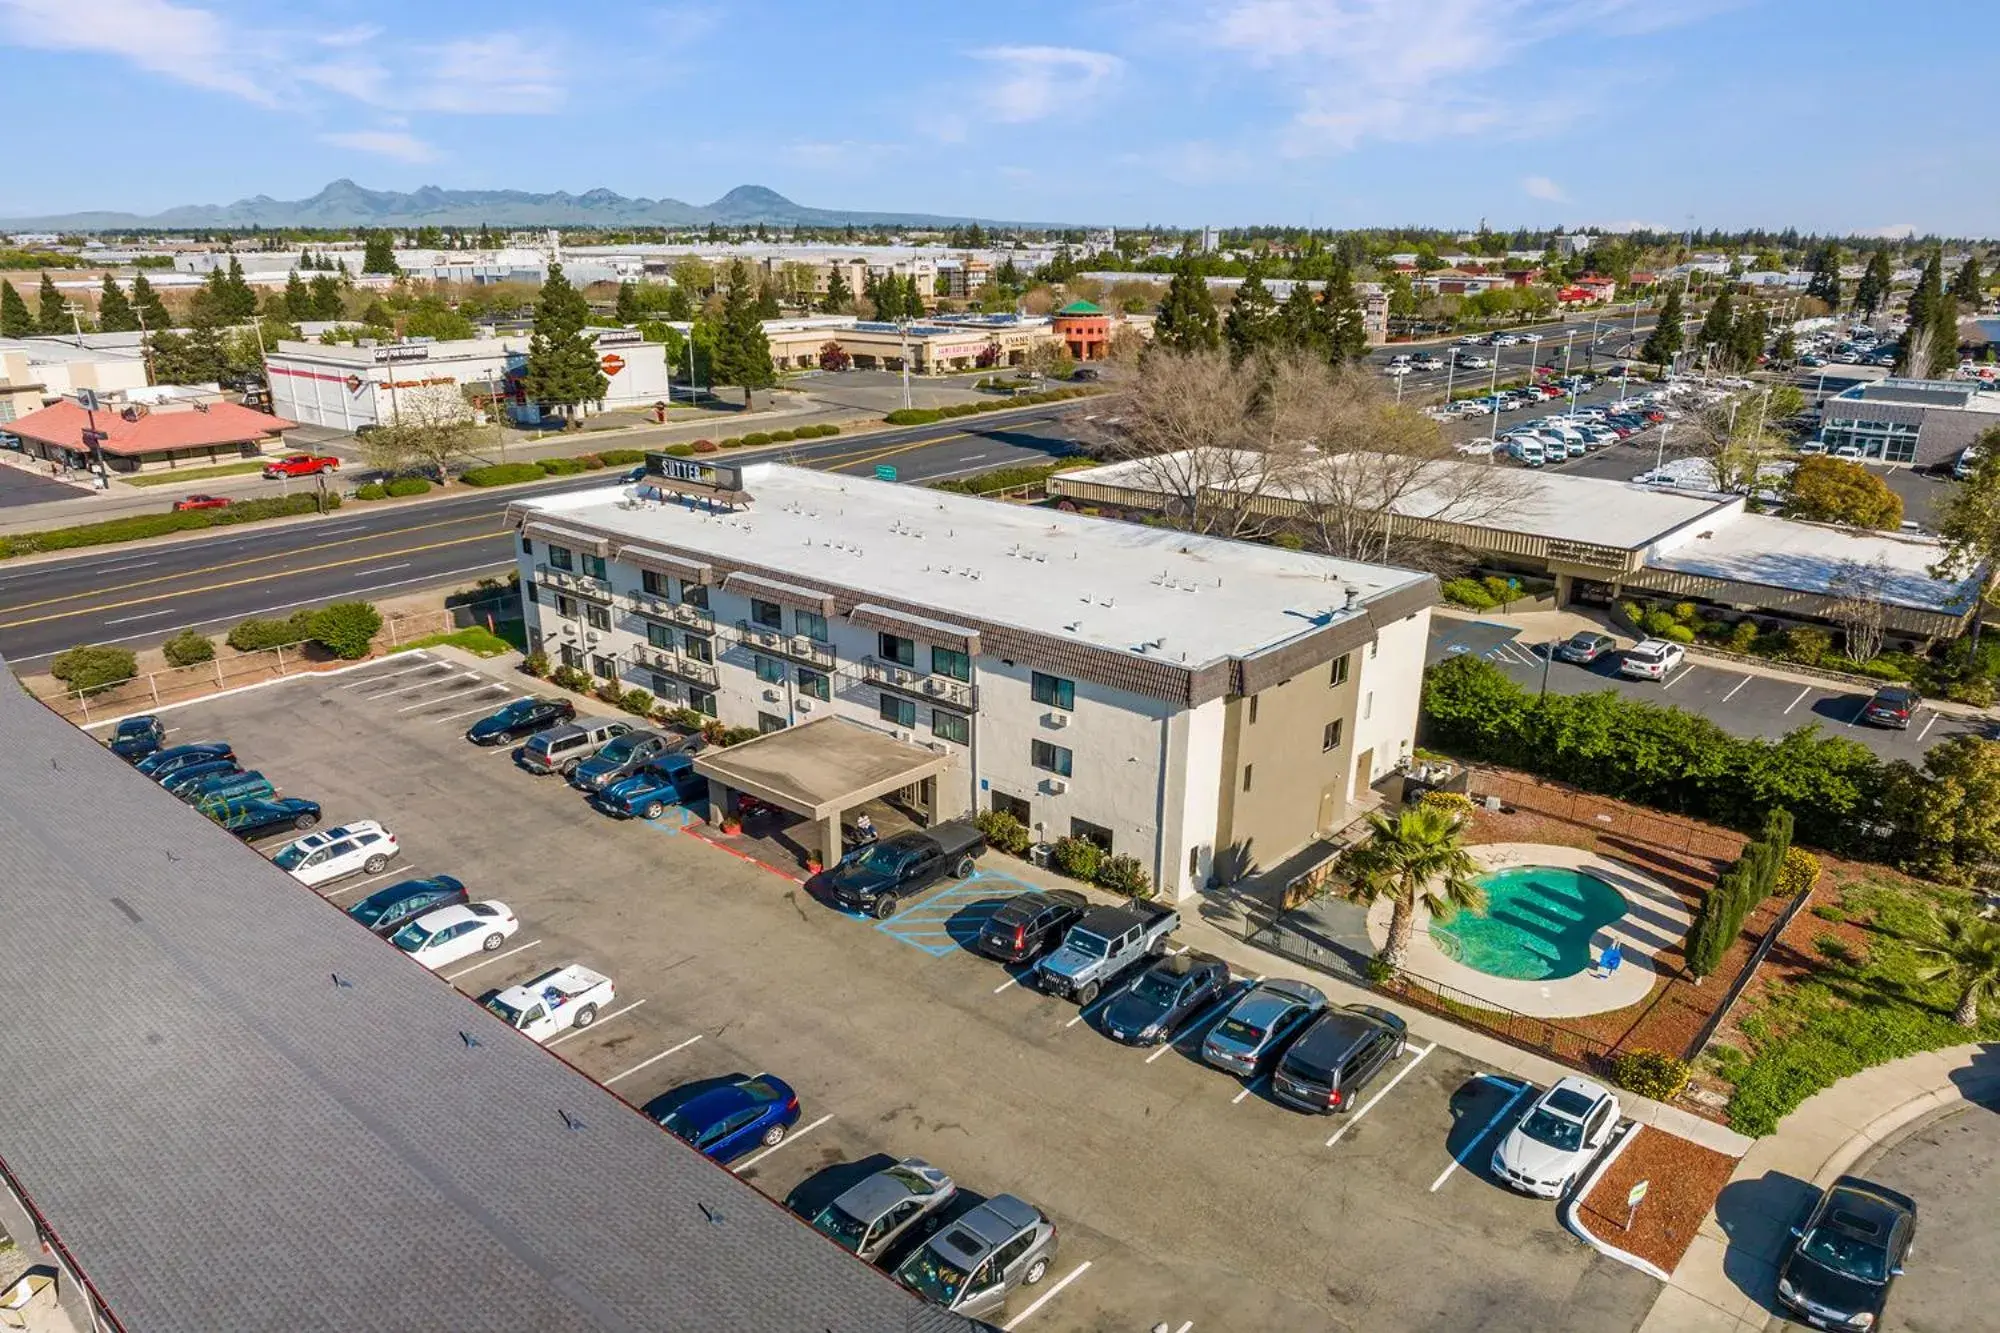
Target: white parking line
{"type": "Point", "coordinates": [455, 694]}
{"type": "Point", "coordinates": [399, 869]}
{"type": "Point", "coordinates": [1859, 709]}
{"type": "Point", "coordinates": [1247, 1087]}
{"type": "Point", "coordinates": [1008, 984]}
{"type": "Point", "coordinates": [1927, 727]}
{"type": "Point", "coordinates": [1520, 1090]}
{"type": "Point", "coordinates": [1732, 693]}
{"type": "Point", "coordinates": [653, 1060]}
{"type": "Point", "coordinates": [1097, 1003]}
{"type": "Point", "coordinates": [1672, 681]}
{"type": "Point", "coordinates": [422, 662]}
{"type": "Point", "coordinates": [491, 958]}
{"type": "Point", "coordinates": [792, 1137]}
{"type": "Point", "coordinates": [602, 1019]}
{"type": "Point", "coordinates": [425, 684]}
{"type": "Point", "coordinates": [1045, 1297]}
{"type": "Point", "coordinates": [1795, 703]}
{"type": "Point", "coordinates": [1387, 1088]}
{"type": "Point", "coordinates": [483, 708]}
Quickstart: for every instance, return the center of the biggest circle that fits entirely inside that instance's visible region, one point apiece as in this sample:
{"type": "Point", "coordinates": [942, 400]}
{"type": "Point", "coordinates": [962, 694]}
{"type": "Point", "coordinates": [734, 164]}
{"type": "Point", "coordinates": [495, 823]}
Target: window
{"type": "Point", "coordinates": [1049, 758]}
{"type": "Point", "coordinates": [663, 686]}
{"type": "Point", "coordinates": [697, 647]}
{"type": "Point", "coordinates": [659, 636]}
{"type": "Point", "coordinates": [694, 594]}
{"type": "Point", "coordinates": [654, 582]}
{"type": "Point", "coordinates": [1368, 705]}
{"type": "Point", "coordinates": [597, 617]}
{"type": "Point", "coordinates": [1339, 676]}
{"type": "Point", "coordinates": [951, 662]}
{"type": "Point", "coordinates": [1329, 739]}
{"type": "Point", "coordinates": [1248, 771]}
{"type": "Point", "coordinates": [593, 565]}
{"type": "Point", "coordinates": [1003, 804]}
{"type": "Point", "coordinates": [527, 546]}
{"type": "Point", "coordinates": [1089, 832]}
{"type": "Point", "coordinates": [769, 722]}
{"type": "Point", "coordinates": [950, 726]}
{"type": "Point", "coordinates": [899, 712]}
{"type": "Point", "coordinates": [811, 624]}
{"type": "Point", "coordinates": [560, 558]}
{"type": "Point", "coordinates": [606, 667]}
{"type": "Point", "coordinates": [566, 606]}
{"type": "Point", "coordinates": [702, 701]}
{"type": "Point", "coordinates": [768, 614]}
{"type": "Point", "coordinates": [572, 656]}
{"type": "Point", "coordinates": [1253, 710]}
{"type": "Point", "coordinates": [1054, 691]}
{"type": "Point", "coordinates": [1371, 650]}
{"type": "Point", "coordinates": [769, 669]}
{"type": "Point", "coordinates": [814, 683]}
{"type": "Point", "coordinates": [1194, 860]}
{"type": "Point", "coordinates": [895, 648]}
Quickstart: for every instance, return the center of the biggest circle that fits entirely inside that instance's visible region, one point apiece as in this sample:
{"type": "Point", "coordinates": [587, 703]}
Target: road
{"type": "Point", "coordinates": [143, 594]}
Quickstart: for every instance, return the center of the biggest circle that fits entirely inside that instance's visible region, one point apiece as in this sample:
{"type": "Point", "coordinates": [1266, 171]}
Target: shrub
{"type": "Point", "coordinates": [1659, 623]}
{"type": "Point", "coordinates": [1468, 593]}
{"type": "Point", "coordinates": [687, 719]}
{"type": "Point", "coordinates": [704, 446]}
{"type": "Point", "coordinates": [1499, 589]}
{"type": "Point", "coordinates": [1799, 872]}
{"type": "Point", "coordinates": [1653, 1074]}
{"type": "Point", "coordinates": [502, 474]}
{"type": "Point", "coordinates": [914, 416]}
{"type": "Point", "coordinates": [1124, 874]}
{"type": "Point", "coordinates": [1685, 612]}
{"type": "Point", "coordinates": [1743, 637]}
{"type": "Point", "coordinates": [1003, 831]}
{"type": "Point", "coordinates": [1379, 973]}
{"type": "Point", "coordinates": [590, 462]}
{"type": "Point", "coordinates": [256, 634]}
{"type": "Point", "coordinates": [610, 692]}
{"type": "Point", "coordinates": [636, 701]}
{"type": "Point", "coordinates": [1806, 644]}
{"type": "Point", "coordinates": [536, 663]}
{"type": "Point", "coordinates": [780, 436]}
{"type": "Point", "coordinates": [756, 437]}
{"type": "Point", "coordinates": [826, 430]}
{"type": "Point", "coordinates": [560, 467]}
{"type": "Point", "coordinates": [621, 457]}
{"type": "Point", "coordinates": [136, 526]}
{"type": "Point", "coordinates": [188, 648]}
{"type": "Point", "coordinates": [733, 442]}
{"type": "Point", "coordinates": [1078, 858]}
{"type": "Point", "coordinates": [370, 490]}
{"type": "Point", "coordinates": [345, 629]}
{"type": "Point", "coordinates": [682, 450]}
{"type": "Point", "coordinates": [1457, 803]}
{"type": "Point", "coordinates": [1631, 613]}
{"type": "Point", "coordinates": [94, 668]}
{"type": "Point", "coordinates": [1677, 634]}
{"type": "Point", "coordinates": [407, 486]}
{"type": "Point", "coordinates": [573, 679]}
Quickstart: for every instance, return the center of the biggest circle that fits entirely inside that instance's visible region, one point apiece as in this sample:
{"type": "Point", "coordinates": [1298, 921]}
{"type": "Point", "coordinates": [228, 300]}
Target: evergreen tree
{"type": "Point", "coordinates": [1187, 320]}
{"type": "Point", "coordinates": [50, 317]}
{"type": "Point", "coordinates": [240, 302]}
{"type": "Point", "coordinates": [305, 264]}
{"type": "Point", "coordinates": [1966, 286]}
{"type": "Point", "coordinates": [1342, 320]}
{"type": "Point", "coordinates": [324, 300]}
{"type": "Point", "coordinates": [15, 321]}
{"type": "Point", "coordinates": [742, 355]}
{"type": "Point", "coordinates": [114, 312]}
{"type": "Point", "coordinates": [838, 299]}
{"type": "Point", "coordinates": [562, 368]}
{"type": "Point", "coordinates": [1924, 315]}
{"type": "Point", "coordinates": [148, 306]}
{"type": "Point", "coordinates": [1298, 323]}
{"type": "Point", "coordinates": [1944, 336]}
{"type": "Point", "coordinates": [767, 301]}
{"type": "Point", "coordinates": [1873, 289]}
{"type": "Point", "coordinates": [1716, 327]}
{"type": "Point", "coordinates": [1746, 339]}
{"type": "Point", "coordinates": [679, 305]}
{"type": "Point", "coordinates": [298, 301]}
{"type": "Point", "coordinates": [378, 255]}
{"type": "Point", "coordinates": [628, 311]}
{"type": "Point", "coordinates": [194, 357]}
{"type": "Point", "coordinates": [1251, 323]}
{"type": "Point", "coordinates": [1824, 285]}
{"type": "Point", "coordinates": [913, 298]}
{"type": "Point", "coordinates": [1663, 344]}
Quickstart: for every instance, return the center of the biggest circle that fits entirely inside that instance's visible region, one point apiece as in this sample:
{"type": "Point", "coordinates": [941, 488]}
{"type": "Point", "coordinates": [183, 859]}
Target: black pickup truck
{"type": "Point", "coordinates": [876, 878]}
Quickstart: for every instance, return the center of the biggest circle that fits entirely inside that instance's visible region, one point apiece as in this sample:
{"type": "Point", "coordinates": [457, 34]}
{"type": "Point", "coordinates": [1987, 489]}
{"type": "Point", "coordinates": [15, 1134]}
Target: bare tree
{"type": "Point", "coordinates": [1734, 436]}
{"type": "Point", "coordinates": [1858, 608]}
{"type": "Point", "coordinates": [433, 428]}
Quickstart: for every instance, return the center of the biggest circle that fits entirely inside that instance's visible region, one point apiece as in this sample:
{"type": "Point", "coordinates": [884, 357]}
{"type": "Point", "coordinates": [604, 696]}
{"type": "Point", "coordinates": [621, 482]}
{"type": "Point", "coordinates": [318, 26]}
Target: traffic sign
{"type": "Point", "coordinates": [884, 472]}
{"type": "Point", "coordinates": [1637, 1193]}
{"type": "Point", "coordinates": [87, 399]}
{"type": "Point", "coordinates": [612, 363]}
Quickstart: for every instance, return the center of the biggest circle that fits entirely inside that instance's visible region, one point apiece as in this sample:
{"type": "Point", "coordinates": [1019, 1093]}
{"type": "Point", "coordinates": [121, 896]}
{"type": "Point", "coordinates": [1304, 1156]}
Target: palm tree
{"type": "Point", "coordinates": [1970, 949]}
{"type": "Point", "coordinates": [1417, 857]}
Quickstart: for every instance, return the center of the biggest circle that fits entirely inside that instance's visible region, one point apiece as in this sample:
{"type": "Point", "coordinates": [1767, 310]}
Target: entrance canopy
{"type": "Point", "coordinates": [821, 768]}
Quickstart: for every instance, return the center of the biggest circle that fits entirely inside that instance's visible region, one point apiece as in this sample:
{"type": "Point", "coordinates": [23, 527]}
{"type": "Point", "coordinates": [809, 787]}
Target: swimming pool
{"type": "Point", "coordinates": [1537, 925]}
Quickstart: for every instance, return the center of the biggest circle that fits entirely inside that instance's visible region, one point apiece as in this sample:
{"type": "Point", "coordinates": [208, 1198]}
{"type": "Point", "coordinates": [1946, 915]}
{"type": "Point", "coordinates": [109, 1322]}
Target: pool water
{"type": "Point", "coordinates": [1537, 924]}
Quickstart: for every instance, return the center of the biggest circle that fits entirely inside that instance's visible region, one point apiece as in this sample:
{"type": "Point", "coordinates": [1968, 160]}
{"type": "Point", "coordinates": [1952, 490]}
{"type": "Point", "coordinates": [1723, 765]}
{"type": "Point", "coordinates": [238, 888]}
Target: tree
{"type": "Point", "coordinates": [378, 253]}
{"type": "Point", "coordinates": [839, 299]}
{"type": "Point", "coordinates": [1947, 814]}
{"type": "Point", "coordinates": [834, 357]}
{"type": "Point", "coordinates": [325, 300]}
{"type": "Point", "coordinates": [298, 297]}
{"type": "Point", "coordinates": [1746, 338]}
{"type": "Point", "coordinates": [1297, 323]}
{"type": "Point", "coordinates": [238, 300]}
{"type": "Point", "coordinates": [432, 318]}
{"type": "Point", "coordinates": [114, 312]}
{"type": "Point", "coordinates": [1823, 489]}
{"type": "Point", "coordinates": [1343, 325]}
{"type": "Point", "coordinates": [767, 301]}
{"type": "Point", "coordinates": [1418, 857]}
{"type": "Point", "coordinates": [1969, 949]}
{"type": "Point", "coordinates": [1187, 321]}
{"type": "Point", "coordinates": [628, 303]}
{"type": "Point", "coordinates": [345, 629]}
{"type": "Point", "coordinates": [1873, 289]}
{"type": "Point", "coordinates": [51, 315]}
{"type": "Point", "coordinates": [1824, 284]}
{"type": "Point", "coordinates": [1050, 359]}
{"type": "Point", "coordinates": [562, 369]}
{"type": "Point", "coordinates": [15, 319]}
{"type": "Point", "coordinates": [148, 306]}
{"type": "Point", "coordinates": [1252, 322]}
{"type": "Point", "coordinates": [679, 306]}
{"type": "Point", "coordinates": [1968, 287]}
{"type": "Point", "coordinates": [742, 352]}
{"type": "Point", "coordinates": [1918, 350]}
{"type": "Point", "coordinates": [194, 357]}
{"type": "Point", "coordinates": [431, 430]}
{"type": "Point", "coordinates": [1969, 526]}
{"type": "Point", "coordinates": [1716, 327]}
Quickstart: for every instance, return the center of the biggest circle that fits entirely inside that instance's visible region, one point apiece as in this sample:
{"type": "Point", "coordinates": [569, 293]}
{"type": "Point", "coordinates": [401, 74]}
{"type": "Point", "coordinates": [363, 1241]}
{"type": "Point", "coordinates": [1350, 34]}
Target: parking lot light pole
{"type": "Point", "coordinates": [1493, 394]}
{"type": "Point", "coordinates": [1660, 456]}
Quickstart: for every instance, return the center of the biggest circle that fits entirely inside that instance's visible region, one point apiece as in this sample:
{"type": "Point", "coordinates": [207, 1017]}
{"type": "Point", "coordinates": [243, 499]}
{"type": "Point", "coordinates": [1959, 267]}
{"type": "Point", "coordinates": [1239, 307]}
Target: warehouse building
{"type": "Point", "coordinates": [1206, 706]}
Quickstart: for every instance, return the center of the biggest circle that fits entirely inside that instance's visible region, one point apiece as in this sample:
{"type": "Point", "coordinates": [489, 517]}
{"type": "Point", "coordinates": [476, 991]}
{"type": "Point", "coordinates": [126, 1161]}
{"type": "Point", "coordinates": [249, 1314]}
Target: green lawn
{"type": "Point", "coordinates": [179, 475]}
{"type": "Point", "coordinates": [476, 639]}
{"type": "Point", "coordinates": [1857, 1009]}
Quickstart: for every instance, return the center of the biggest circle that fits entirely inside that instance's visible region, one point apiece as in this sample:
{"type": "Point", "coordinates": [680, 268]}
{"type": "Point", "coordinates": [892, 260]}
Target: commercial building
{"type": "Point", "coordinates": [167, 433]}
{"type": "Point", "coordinates": [934, 347]}
{"type": "Point", "coordinates": [37, 371]}
{"type": "Point", "coordinates": [1205, 706]}
{"type": "Point", "coordinates": [1084, 329]}
{"type": "Point", "coordinates": [1916, 422]}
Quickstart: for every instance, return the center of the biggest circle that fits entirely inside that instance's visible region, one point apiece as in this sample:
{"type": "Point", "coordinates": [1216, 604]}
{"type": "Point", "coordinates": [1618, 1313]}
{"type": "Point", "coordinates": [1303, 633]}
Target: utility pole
{"type": "Point", "coordinates": [903, 333]}
{"type": "Point", "coordinates": [87, 400]}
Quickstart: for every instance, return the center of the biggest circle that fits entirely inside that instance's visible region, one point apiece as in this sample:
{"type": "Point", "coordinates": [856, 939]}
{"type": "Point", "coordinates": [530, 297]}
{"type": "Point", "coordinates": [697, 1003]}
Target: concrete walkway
{"type": "Point", "coordinates": [1727, 1281]}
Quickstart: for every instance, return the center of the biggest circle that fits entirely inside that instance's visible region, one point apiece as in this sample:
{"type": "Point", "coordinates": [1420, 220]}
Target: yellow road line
{"type": "Point", "coordinates": [853, 459]}
{"type": "Point", "coordinates": [255, 578]}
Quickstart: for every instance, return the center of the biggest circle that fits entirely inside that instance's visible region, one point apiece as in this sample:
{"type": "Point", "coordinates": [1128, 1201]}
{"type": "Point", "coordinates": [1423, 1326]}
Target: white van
{"type": "Point", "coordinates": [1527, 451]}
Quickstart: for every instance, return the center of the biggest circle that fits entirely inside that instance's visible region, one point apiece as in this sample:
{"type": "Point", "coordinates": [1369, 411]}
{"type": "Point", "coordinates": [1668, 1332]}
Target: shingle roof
{"type": "Point", "coordinates": [231, 1129]}
{"type": "Point", "coordinates": [152, 432]}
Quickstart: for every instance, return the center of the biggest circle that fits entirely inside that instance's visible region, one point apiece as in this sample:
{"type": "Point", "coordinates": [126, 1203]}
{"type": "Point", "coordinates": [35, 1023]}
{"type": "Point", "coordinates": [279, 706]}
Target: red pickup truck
{"type": "Point", "coordinates": [301, 465]}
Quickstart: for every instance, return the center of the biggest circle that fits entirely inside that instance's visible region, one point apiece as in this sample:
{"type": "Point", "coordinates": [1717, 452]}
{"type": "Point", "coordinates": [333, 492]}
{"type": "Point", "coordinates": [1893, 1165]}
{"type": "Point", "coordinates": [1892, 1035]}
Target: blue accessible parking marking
{"type": "Point", "coordinates": [677, 818]}
{"type": "Point", "coordinates": [950, 920]}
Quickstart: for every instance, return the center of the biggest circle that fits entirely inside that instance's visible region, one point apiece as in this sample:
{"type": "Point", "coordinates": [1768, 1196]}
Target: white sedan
{"type": "Point", "coordinates": [334, 853]}
{"type": "Point", "coordinates": [1559, 1136]}
{"type": "Point", "coordinates": [451, 933]}
{"type": "Point", "coordinates": [1652, 659]}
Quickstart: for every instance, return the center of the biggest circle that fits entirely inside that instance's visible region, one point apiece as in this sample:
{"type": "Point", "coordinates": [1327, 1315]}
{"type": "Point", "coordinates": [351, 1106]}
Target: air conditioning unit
{"type": "Point", "coordinates": [771, 696]}
{"type": "Point", "coordinates": [1055, 786]}
{"type": "Point", "coordinates": [805, 705]}
{"type": "Point", "coordinates": [1057, 719]}
{"type": "Point", "coordinates": [900, 676]}
{"type": "Point", "coordinates": [590, 639]}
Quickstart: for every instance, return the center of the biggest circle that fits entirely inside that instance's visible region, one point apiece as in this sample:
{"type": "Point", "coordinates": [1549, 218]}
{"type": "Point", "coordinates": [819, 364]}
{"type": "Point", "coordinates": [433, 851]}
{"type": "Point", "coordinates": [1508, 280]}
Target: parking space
{"type": "Point", "coordinates": [1182, 1196]}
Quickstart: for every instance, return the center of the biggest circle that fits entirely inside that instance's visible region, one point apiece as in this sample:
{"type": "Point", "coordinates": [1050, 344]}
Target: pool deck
{"type": "Point", "coordinates": [1654, 920]}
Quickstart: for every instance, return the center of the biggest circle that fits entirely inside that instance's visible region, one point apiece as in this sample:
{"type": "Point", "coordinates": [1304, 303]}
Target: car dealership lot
{"type": "Point", "coordinates": [1180, 1198]}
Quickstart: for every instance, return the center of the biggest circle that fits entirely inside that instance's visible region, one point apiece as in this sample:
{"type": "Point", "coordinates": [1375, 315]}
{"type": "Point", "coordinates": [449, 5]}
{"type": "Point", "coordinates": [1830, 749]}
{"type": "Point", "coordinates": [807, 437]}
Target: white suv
{"type": "Point", "coordinates": [1652, 659]}
{"type": "Point", "coordinates": [334, 853]}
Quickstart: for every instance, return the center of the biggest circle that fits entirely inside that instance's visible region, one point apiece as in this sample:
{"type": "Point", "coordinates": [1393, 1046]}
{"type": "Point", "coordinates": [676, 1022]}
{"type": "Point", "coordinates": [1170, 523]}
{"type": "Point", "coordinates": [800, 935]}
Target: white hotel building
{"type": "Point", "coordinates": [1207, 706]}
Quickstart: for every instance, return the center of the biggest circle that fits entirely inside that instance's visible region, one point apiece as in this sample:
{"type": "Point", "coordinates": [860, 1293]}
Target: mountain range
{"type": "Point", "coordinates": [345, 204]}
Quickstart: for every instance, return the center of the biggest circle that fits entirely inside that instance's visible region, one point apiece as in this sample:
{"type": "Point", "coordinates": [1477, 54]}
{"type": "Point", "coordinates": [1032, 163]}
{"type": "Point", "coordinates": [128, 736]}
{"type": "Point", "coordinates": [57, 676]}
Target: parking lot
{"type": "Point", "coordinates": [1182, 1198]}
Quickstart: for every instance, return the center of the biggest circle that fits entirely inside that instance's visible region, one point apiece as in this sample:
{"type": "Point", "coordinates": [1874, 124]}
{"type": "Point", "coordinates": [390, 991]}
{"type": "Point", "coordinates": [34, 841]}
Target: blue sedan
{"type": "Point", "coordinates": [646, 794]}
{"type": "Point", "coordinates": [726, 1122]}
{"type": "Point", "coordinates": [162, 762]}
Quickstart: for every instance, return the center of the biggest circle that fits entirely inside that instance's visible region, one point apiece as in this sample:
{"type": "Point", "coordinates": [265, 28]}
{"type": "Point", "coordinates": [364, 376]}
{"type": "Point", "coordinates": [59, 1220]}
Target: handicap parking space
{"type": "Point", "coordinates": [950, 919]}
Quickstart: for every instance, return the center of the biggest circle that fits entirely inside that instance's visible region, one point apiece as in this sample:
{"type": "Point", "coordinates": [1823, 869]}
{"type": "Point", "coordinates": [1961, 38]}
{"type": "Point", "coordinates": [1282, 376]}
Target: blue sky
{"type": "Point", "coordinates": [1339, 112]}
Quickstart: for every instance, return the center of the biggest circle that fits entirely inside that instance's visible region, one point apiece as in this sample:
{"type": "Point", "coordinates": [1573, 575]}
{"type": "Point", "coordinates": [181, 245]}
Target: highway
{"type": "Point", "coordinates": [140, 594]}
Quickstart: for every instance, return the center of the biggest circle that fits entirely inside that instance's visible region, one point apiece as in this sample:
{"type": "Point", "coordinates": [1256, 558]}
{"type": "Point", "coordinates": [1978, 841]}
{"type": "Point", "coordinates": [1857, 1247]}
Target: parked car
{"type": "Point", "coordinates": [301, 465]}
{"type": "Point", "coordinates": [726, 1122]}
{"type": "Point", "coordinates": [184, 776]}
{"type": "Point", "coordinates": [562, 749]}
{"type": "Point", "coordinates": [1839, 1267]}
{"type": "Point", "coordinates": [1585, 647]}
{"type": "Point", "coordinates": [1334, 1059]}
{"type": "Point", "coordinates": [1651, 659]}
{"type": "Point", "coordinates": [971, 1265]}
{"type": "Point", "coordinates": [1892, 706]}
{"type": "Point", "coordinates": [161, 763]}
{"type": "Point", "coordinates": [1427, 362]}
{"type": "Point", "coordinates": [1559, 1136]}
{"type": "Point", "coordinates": [620, 758]}
{"type": "Point", "coordinates": [1165, 996]}
{"type": "Point", "coordinates": [222, 788]}
{"type": "Point", "coordinates": [451, 933]}
{"type": "Point", "coordinates": [193, 502]}
{"type": "Point", "coordinates": [262, 816]}
{"type": "Point", "coordinates": [1103, 946]}
{"type": "Point", "coordinates": [879, 876]}
{"type": "Point", "coordinates": [563, 999]}
{"type": "Point", "coordinates": [665, 780]}
{"type": "Point", "coordinates": [1028, 925]}
{"type": "Point", "coordinates": [870, 1216]}
{"type": "Point", "coordinates": [523, 717]}
{"type": "Point", "coordinates": [1260, 1025]}
{"type": "Point", "coordinates": [388, 910]}
{"type": "Point", "coordinates": [363, 847]}
{"type": "Point", "coordinates": [137, 737]}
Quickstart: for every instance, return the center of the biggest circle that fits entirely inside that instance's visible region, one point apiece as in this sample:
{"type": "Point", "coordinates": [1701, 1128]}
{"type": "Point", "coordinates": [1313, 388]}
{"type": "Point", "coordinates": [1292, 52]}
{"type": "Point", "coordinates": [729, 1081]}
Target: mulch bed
{"type": "Point", "coordinates": [1685, 1178]}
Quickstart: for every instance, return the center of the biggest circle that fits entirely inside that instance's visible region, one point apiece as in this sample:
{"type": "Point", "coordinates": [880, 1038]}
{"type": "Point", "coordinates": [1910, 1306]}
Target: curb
{"type": "Point", "coordinates": [1877, 1132]}
{"type": "Point", "coordinates": [1569, 1217]}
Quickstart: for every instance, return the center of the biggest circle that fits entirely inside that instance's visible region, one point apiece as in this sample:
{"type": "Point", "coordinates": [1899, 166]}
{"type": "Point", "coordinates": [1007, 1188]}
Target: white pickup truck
{"type": "Point", "coordinates": [558, 1000]}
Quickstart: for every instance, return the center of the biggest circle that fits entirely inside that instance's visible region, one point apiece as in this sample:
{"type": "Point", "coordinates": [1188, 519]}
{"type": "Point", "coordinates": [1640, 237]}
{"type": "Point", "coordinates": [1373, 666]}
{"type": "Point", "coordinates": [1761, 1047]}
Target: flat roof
{"type": "Point", "coordinates": [1818, 558]}
{"type": "Point", "coordinates": [1151, 592]}
{"type": "Point", "coordinates": [823, 766]}
{"type": "Point", "coordinates": [255, 1115]}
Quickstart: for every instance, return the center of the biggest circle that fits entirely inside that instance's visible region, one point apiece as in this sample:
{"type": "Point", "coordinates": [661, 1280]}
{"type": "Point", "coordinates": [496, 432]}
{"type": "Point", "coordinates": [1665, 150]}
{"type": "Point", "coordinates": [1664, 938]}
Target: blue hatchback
{"type": "Point", "coordinates": [726, 1122]}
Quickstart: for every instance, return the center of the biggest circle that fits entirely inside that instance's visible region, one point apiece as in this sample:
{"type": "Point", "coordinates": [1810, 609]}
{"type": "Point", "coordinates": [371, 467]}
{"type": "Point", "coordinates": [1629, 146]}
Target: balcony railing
{"type": "Point", "coordinates": [923, 684]}
{"type": "Point", "coordinates": [698, 618]}
{"type": "Point", "coordinates": [568, 580]}
{"type": "Point", "coordinates": [797, 647]}
{"type": "Point", "coordinates": [671, 663]}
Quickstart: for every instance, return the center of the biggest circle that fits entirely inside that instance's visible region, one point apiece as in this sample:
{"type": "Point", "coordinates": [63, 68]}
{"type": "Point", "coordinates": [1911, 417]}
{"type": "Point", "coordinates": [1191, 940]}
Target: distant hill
{"type": "Point", "coordinates": [345, 204]}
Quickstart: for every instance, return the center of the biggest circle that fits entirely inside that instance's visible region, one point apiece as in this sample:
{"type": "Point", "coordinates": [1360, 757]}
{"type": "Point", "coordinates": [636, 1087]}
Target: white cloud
{"type": "Point", "coordinates": [1895, 231]}
{"type": "Point", "coordinates": [191, 46]}
{"type": "Point", "coordinates": [1541, 187]}
{"type": "Point", "coordinates": [1040, 80]}
{"type": "Point", "coordinates": [399, 144]}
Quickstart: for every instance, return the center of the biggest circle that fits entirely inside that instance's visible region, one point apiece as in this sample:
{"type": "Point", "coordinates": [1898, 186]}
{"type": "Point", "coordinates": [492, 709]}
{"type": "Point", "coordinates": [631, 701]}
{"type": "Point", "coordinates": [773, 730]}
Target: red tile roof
{"type": "Point", "coordinates": [154, 431]}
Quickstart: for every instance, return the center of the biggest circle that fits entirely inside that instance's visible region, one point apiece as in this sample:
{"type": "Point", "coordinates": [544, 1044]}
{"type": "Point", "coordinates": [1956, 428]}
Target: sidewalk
{"type": "Point", "coordinates": [1727, 1281]}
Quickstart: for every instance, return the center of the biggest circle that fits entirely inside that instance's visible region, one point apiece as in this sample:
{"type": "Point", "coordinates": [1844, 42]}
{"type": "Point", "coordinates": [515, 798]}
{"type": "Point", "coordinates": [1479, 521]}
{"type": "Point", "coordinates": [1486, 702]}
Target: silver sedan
{"type": "Point", "coordinates": [1257, 1027]}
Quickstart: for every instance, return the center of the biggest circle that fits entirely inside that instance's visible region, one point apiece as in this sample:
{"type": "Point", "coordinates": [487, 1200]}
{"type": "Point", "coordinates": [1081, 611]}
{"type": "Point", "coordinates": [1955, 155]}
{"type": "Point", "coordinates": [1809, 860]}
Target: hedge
{"type": "Point", "coordinates": [1004, 478]}
{"type": "Point", "coordinates": [914, 416]}
{"type": "Point", "coordinates": [924, 416]}
{"type": "Point", "coordinates": [139, 526]}
{"type": "Point", "coordinates": [407, 486]}
{"type": "Point", "coordinates": [561, 467]}
{"type": "Point", "coordinates": [733, 442]}
{"type": "Point", "coordinates": [502, 474]}
{"type": "Point", "coordinates": [188, 648]}
{"type": "Point", "coordinates": [93, 668]}
{"type": "Point", "coordinates": [679, 450]}
{"type": "Point", "coordinates": [621, 457]}
{"type": "Point", "coordinates": [370, 490]}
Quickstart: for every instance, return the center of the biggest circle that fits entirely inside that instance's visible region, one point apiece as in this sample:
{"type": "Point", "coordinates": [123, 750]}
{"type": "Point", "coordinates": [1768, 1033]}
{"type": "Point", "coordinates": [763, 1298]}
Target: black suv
{"type": "Point", "coordinates": [1333, 1060]}
{"type": "Point", "coordinates": [1028, 925]}
{"type": "Point", "coordinates": [523, 717]}
{"type": "Point", "coordinates": [138, 737]}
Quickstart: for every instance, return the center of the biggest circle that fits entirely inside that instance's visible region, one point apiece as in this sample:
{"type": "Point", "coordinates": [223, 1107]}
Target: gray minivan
{"type": "Point", "coordinates": [1334, 1059]}
{"type": "Point", "coordinates": [971, 1265]}
{"type": "Point", "coordinates": [561, 749]}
